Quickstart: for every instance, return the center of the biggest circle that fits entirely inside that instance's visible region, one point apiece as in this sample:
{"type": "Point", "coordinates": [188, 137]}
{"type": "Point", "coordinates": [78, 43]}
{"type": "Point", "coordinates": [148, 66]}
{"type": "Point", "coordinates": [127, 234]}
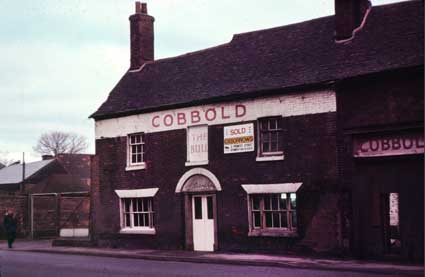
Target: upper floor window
{"type": "Point", "coordinates": [270, 137]}
{"type": "Point", "coordinates": [136, 151]}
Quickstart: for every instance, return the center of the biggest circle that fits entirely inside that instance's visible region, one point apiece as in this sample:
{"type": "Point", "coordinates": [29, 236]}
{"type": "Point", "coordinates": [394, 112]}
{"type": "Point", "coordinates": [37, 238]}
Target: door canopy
{"type": "Point", "coordinates": [198, 180]}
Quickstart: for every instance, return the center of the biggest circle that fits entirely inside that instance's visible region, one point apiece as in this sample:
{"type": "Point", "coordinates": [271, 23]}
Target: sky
{"type": "Point", "coordinates": [59, 59]}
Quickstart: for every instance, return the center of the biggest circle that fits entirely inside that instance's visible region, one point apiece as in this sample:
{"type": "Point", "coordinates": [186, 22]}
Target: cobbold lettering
{"type": "Point", "coordinates": [198, 116]}
{"type": "Point", "coordinates": [391, 144]}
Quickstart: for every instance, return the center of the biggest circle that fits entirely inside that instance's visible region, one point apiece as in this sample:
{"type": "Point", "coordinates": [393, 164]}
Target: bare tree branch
{"type": "Point", "coordinates": [4, 160]}
{"type": "Point", "coordinates": [54, 143]}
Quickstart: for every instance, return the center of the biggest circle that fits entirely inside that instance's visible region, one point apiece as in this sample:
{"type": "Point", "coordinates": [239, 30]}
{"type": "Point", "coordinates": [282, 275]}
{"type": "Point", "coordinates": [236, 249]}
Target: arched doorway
{"type": "Point", "coordinates": [199, 187]}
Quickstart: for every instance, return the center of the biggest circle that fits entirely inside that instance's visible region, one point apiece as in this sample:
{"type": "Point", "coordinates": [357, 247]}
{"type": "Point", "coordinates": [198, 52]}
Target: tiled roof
{"type": "Point", "coordinates": [13, 174]}
{"type": "Point", "coordinates": [279, 58]}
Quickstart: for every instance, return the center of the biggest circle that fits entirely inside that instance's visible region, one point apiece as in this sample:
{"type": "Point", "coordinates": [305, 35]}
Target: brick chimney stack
{"type": "Point", "coordinates": [349, 15]}
{"type": "Point", "coordinates": [141, 37]}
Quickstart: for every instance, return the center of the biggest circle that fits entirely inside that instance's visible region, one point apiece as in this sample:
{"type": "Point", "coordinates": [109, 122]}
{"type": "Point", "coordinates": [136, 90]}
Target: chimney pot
{"type": "Point", "coordinates": [141, 37]}
{"type": "Point", "coordinates": [138, 7]}
{"type": "Point", "coordinates": [144, 8]}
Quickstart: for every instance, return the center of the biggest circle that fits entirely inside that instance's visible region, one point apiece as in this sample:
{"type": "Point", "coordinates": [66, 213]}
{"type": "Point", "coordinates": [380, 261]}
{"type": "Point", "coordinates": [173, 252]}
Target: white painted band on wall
{"type": "Point", "coordinates": [136, 193]}
{"type": "Point", "coordinates": [216, 114]}
{"type": "Point", "coordinates": [74, 232]}
{"type": "Point", "coordinates": [271, 188]}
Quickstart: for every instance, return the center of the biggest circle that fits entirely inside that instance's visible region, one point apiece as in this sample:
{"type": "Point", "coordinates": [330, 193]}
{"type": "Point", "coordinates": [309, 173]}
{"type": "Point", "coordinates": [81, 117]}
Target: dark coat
{"type": "Point", "coordinates": [10, 223]}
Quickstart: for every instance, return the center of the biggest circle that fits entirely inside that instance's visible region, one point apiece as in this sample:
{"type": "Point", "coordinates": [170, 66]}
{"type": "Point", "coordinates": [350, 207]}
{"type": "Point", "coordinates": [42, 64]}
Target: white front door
{"type": "Point", "coordinates": [203, 223]}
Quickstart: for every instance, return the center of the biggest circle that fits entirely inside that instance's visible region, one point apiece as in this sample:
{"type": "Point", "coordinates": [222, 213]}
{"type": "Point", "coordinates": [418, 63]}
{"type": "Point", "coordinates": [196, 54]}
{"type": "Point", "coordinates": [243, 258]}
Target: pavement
{"type": "Point", "coordinates": [45, 246]}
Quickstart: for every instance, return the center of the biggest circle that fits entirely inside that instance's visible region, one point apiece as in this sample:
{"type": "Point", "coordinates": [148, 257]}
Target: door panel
{"type": "Point", "coordinates": [203, 223]}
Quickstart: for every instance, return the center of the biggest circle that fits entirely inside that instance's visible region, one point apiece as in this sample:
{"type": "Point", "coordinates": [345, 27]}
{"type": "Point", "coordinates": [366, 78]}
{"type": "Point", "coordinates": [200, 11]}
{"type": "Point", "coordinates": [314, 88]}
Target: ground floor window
{"type": "Point", "coordinates": [274, 211]}
{"type": "Point", "coordinates": [138, 212]}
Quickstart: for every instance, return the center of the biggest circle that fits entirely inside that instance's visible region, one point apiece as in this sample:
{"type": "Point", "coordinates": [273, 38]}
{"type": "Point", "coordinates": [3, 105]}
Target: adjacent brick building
{"type": "Point", "coordinates": [248, 146]}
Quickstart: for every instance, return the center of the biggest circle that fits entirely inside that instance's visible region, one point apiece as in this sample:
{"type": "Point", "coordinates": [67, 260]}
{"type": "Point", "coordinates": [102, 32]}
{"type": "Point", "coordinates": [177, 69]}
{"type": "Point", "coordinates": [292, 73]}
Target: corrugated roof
{"type": "Point", "coordinates": [278, 58]}
{"type": "Point", "coordinates": [13, 174]}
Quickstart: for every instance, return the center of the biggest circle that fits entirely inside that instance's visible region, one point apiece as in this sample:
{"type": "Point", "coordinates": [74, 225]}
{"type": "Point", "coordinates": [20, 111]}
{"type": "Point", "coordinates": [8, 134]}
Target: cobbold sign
{"type": "Point", "coordinates": [389, 145]}
{"type": "Point", "coordinates": [197, 116]}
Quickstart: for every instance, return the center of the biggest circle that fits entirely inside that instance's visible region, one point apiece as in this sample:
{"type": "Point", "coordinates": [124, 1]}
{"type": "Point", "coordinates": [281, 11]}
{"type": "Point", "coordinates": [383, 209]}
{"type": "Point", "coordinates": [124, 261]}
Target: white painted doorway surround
{"type": "Point", "coordinates": [203, 222]}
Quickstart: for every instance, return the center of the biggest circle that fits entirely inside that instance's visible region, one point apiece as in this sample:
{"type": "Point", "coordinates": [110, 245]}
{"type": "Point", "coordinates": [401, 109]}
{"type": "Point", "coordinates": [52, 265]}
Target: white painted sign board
{"type": "Point", "coordinates": [239, 138]}
{"type": "Point", "coordinates": [197, 144]}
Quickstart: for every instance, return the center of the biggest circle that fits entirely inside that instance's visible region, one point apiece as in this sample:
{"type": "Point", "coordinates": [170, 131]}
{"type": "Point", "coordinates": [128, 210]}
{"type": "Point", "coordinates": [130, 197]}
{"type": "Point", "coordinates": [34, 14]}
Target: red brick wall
{"type": "Point", "coordinates": [310, 158]}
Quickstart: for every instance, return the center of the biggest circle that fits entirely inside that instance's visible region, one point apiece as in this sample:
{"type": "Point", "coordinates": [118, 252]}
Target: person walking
{"type": "Point", "coordinates": [10, 224]}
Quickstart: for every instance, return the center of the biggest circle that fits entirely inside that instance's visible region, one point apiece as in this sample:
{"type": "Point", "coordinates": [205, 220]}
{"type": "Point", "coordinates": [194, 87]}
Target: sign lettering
{"type": "Point", "coordinates": [389, 145]}
{"type": "Point", "coordinates": [239, 138]}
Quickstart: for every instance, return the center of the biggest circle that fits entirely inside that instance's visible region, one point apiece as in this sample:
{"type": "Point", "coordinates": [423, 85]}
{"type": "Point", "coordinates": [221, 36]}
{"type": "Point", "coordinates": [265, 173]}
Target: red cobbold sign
{"type": "Point", "coordinates": [199, 116]}
{"type": "Point", "coordinates": [389, 145]}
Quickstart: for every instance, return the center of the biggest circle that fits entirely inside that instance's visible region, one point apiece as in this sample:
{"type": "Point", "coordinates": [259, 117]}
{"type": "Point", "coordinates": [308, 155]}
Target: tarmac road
{"type": "Point", "coordinates": [16, 264]}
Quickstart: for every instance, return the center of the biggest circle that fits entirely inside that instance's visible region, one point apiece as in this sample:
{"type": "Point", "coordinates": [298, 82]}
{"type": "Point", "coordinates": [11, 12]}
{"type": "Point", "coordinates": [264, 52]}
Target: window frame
{"type": "Point", "coordinates": [136, 165]}
{"type": "Point", "coordinates": [137, 229]}
{"type": "Point", "coordinates": [270, 155]}
{"type": "Point", "coordinates": [262, 230]}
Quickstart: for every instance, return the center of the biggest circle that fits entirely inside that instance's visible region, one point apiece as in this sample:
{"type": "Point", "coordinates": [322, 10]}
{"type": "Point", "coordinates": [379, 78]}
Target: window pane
{"type": "Point", "coordinates": [284, 220]}
{"type": "Point", "coordinates": [139, 204]}
{"type": "Point", "coordinates": [269, 220]}
{"type": "Point", "coordinates": [145, 220]}
{"type": "Point", "coordinates": [255, 202]}
{"type": "Point", "coordinates": [266, 147]}
{"type": "Point", "coordinates": [127, 222]}
{"type": "Point", "coordinates": [283, 201]}
{"type": "Point", "coordinates": [275, 202]}
{"type": "Point", "coordinates": [136, 220]}
{"type": "Point", "coordinates": [267, 203]}
{"type": "Point", "coordinates": [139, 148]}
{"type": "Point", "coordinates": [134, 149]}
{"type": "Point", "coordinates": [294, 219]}
{"type": "Point", "coordinates": [273, 124]}
{"type": "Point", "coordinates": [256, 219]}
{"type": "Point", "coordinates": [293, 201]}
{"type": "Point", "coordinates": [276, 219]}
{"type": "Point", "coordinates": [210, 207]}
{"type": "Point", "coordinates": [131, 139]}
{"type": "Point", "coordinates": [198, 207]}
{"type": "Point", "coordinates": [127, 205]}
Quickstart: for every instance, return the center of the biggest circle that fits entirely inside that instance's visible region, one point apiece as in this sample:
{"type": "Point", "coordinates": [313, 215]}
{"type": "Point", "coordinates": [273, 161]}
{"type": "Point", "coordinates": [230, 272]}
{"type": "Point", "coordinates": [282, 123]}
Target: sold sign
{"type": "Point", "coordinates": [239, 138]}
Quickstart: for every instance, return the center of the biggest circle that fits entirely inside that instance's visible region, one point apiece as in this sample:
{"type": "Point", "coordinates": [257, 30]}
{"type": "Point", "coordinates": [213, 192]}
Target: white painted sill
{"type": "Point", "coordinates": [136, 231]}
{"type": "Point", "coordinates": [135, 167]}
{"type": "Point", "coordinates": [272, 233]}
{"type": "Point", "coordinates": [270, 158]}
{"type": "Point", "coordinates": [196, 163]}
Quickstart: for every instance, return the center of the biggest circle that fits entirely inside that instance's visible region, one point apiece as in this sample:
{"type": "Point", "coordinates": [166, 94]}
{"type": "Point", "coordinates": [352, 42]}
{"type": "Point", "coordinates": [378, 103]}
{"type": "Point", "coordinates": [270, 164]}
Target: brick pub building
{"type": "Point", "coordinates": [256, 144]}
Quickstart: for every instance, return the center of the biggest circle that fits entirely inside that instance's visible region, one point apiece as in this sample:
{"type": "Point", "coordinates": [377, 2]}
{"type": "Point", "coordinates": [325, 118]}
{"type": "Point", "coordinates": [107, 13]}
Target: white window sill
{"type": "Point", "coordinates": [272, 233]}
{"type": "Point", "coordinates": [196, 163]}
{"type": "Point", "coordinates": [270, 158]}
{"type": "Point", "coordinates": [136, 231]}
{"type": "Point", "coordinates": [135, 167]}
